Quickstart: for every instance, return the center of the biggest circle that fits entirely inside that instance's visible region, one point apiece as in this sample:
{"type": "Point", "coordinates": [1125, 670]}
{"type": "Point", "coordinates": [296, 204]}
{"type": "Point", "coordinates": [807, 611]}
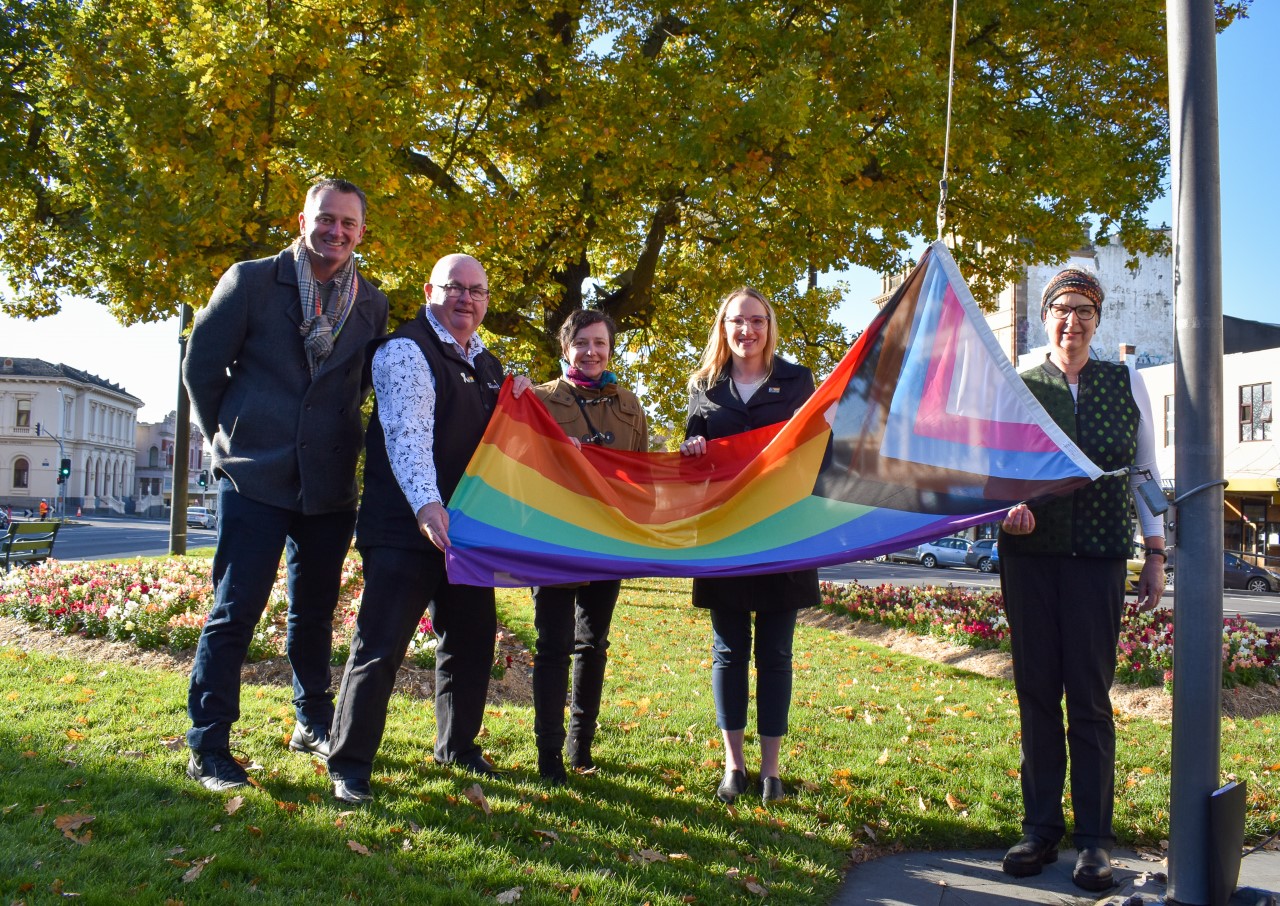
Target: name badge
{"type": "Point", "coordinates": [466, 378]}
{"type": "Point", "coordinates": [775, 389]}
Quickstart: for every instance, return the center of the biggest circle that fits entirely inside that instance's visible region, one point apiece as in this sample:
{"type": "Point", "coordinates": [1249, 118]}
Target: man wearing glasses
{"type": "Point", "coordinates": [435, 387]}
{"type": "Point", "coordinates": [276, 372]}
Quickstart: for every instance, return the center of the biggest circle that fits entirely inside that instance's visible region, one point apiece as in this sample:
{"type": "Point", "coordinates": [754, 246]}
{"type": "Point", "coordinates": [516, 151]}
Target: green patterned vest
{"type": "Point", "coordinates": [1096, 520]}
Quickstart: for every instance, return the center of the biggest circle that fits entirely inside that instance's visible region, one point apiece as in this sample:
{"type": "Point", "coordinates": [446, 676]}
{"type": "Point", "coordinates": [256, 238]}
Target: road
{"type": "Point", "coordinates": [1260, 608]}
{"type": "Point", "coordinates": [101, 539]}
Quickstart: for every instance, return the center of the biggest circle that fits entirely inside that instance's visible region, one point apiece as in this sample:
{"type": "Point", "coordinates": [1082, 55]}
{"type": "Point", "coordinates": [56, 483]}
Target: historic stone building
{"type": "Point", "coordinates": [157, 445]}
{"type": "Point", "coordinates": [53, 412]}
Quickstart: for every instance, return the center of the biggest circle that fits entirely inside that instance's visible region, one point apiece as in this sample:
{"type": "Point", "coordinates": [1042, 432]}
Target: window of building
{"type": "Point", "coordinates": [1255, 412]}
{"type": "Point", "coordinates": [1168, 420]}
{"type": "Point", "coordinates": [153, 461]}
{"type": "Point", "coordinates": [21, 473]}
{"type": "Point", "coordinates": [23, 419]}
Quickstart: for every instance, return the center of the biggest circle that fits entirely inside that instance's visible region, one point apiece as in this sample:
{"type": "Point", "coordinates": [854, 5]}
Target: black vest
{"type": "Point", "coordinates": [465, 399]}
{"type": "Point", "coordinates": [1094, 521]}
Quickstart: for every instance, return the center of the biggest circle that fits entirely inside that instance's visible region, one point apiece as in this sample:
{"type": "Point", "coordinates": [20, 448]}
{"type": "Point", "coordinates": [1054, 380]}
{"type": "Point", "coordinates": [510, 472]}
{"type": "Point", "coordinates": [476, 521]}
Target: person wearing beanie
{"type": "Point", "coordinates": [1062, 574]}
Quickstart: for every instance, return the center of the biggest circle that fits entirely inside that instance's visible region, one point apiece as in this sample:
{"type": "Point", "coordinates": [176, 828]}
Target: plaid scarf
{"type": "Point", "coordinates": [321, 320]}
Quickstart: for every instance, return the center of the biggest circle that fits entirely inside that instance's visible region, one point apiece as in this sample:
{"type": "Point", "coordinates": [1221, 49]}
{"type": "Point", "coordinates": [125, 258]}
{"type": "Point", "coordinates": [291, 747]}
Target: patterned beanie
{"type": "Point", "coordinates": [1072, 280]}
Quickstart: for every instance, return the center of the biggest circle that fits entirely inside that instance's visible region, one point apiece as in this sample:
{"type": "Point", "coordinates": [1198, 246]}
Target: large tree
{"type": "Point", "coordinates": [641, 157]}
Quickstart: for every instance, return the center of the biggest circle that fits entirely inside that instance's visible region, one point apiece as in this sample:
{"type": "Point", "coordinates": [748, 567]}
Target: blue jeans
{"type": "Point", "coordinates": [251, 538]}
{"type": "Point", "coordinates": [731, 661]}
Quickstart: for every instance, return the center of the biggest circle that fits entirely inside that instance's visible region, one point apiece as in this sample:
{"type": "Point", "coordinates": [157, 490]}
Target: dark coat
{"type": "Point", "coordinates": [720, 412]}
{"type": "Point", "coordinates": [283, 438]}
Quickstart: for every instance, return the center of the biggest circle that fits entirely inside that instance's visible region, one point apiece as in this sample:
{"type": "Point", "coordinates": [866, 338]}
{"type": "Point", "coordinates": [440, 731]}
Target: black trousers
{"type": "Point", "coordinates": [570, 622]}
{"type": "Point", "coordinates": [399, 586]}
{"type": "Point", "coordinates": [1064, 623]}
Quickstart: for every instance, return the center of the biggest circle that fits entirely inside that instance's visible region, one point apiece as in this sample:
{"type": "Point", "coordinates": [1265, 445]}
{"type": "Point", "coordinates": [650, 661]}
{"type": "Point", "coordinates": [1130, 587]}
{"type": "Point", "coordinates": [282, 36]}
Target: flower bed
{"type": "Point", "coordinates": [1144, 656]}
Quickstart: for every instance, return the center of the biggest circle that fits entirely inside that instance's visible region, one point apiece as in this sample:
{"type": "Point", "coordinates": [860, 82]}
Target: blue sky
{"type": "Point", "coordinates": [143, 358]}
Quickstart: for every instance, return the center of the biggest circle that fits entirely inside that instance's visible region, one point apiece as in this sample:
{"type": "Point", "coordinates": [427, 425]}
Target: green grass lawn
{"type": "Point", "coordinates": [885, 750]}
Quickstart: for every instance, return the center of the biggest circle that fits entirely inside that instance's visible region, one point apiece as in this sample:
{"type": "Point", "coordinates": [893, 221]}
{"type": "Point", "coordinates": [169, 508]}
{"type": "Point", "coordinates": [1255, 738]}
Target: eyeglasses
{"type": "Point", "coordinates": [1082, 312]}
{"type": "Point", "coordinates": [455, 290]}
{"type": "Point", "coordinates": [757, 323]}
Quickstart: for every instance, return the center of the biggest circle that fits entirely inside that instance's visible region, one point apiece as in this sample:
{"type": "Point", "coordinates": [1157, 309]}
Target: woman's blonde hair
{"type": "Point", "coordinates": [716, 356]}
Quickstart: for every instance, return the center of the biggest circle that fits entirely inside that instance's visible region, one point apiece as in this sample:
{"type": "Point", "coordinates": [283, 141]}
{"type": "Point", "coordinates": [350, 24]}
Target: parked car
{"type": "Point", "coordinates": [983, 556]}
{"type": "Point", "coordinates": [201, 517]}
{"type": "Point", "coordinates": [944, 552]}
{"type": "Point", "coordinates": [1239, 573]}
{"type": "Point", "coordinates": [906, 555]}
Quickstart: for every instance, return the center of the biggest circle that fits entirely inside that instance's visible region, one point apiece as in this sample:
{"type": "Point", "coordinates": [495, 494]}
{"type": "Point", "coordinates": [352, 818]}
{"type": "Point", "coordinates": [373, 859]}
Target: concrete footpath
{"type": "Point", "coordinates": [975, 879]}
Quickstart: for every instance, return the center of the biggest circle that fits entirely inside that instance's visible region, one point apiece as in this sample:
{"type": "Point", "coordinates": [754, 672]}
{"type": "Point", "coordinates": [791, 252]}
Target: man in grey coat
{"type": "Point", "coordinates": [275, 370]}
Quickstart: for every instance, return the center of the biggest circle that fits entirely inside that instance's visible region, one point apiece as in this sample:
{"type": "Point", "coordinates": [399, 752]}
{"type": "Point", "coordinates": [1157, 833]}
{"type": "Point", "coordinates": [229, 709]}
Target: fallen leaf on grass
{"type": "Point", "coordinates": [196, 867]}
{"type": "Point", "coordinates": [289, 807]}
{"type": "Point", "coordinates": [550, 835]}
{"type": "Point", "coordinates": [69, 824]}
{"type": "Point", "coordinates": [954, 804]}
{"type": "Point", "coordinates": [357, 847]}
{"type": "Point", "coordinates": [651, 855]}
{"type": "Point", "coordinates": [510, 896]}
{"type": "Point", "coordinates": [476, 795]}
{"type": "Point", "coordinates": [234, 804]}
{"type": "Point", "coordinates": [75, 736]}
{"type": "Point", "coordinates": [884, 757]}
{"type": "Point", "coordinates": [173, 742]}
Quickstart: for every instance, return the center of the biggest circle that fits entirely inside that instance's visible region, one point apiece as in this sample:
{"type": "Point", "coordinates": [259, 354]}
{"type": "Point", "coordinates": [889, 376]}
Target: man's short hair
{"type": "Point", "coordinates": [340, 185]}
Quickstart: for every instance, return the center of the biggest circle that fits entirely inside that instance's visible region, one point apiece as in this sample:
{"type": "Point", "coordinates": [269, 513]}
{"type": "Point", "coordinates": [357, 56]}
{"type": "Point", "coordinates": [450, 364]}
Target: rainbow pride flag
{"type": "Point", "coordinates": [923, 428]}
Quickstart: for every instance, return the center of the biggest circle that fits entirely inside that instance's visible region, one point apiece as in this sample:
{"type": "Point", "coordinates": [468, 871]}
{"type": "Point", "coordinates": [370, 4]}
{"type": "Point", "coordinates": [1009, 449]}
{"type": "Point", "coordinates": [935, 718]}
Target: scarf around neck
{"type": "Point", "coordinates": [322, 319]}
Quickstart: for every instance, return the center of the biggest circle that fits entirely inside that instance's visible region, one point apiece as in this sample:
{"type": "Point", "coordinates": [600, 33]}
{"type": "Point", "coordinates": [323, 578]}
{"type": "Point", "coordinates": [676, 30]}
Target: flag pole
{"type": "Point", "coordinates": [1197, 269]}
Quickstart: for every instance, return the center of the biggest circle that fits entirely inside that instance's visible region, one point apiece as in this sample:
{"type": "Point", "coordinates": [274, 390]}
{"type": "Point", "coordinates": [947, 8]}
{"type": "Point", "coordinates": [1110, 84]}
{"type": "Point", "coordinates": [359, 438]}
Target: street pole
{"type": "Point", "coordinates": [1197, 280]}
{"type": "Point", "coordinates": [181, 442]}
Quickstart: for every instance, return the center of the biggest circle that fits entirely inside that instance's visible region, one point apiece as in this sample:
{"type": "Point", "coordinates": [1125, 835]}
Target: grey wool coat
{"type": "Point", "coordinates": [282, 437]}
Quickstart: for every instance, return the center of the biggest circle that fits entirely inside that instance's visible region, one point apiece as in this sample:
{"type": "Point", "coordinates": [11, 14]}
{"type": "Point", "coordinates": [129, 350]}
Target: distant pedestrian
{"type": "Point", "coordinates": [275, 369]}
{"type": "Point", "coordinates": [44, 509]}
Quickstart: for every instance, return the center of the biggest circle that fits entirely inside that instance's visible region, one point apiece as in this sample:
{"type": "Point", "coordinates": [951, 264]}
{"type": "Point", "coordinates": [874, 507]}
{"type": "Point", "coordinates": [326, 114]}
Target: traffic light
{"type": "Point", "coordinates": [64, 471]}
{"type": "Point", "coordinates": [204, 478]}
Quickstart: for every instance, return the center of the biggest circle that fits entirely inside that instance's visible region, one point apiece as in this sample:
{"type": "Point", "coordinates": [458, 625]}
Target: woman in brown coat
{"type": "Point", "coordinates": [574, 619]}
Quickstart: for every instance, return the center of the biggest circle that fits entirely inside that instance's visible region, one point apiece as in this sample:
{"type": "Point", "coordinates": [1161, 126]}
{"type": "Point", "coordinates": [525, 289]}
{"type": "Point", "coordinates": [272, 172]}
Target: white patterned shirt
{"type": "Point", "coordinates": [406, 394]}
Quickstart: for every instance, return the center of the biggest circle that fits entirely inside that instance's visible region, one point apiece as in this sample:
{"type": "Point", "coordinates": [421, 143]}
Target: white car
{"type": "Point", "coordinates": [201, 517]}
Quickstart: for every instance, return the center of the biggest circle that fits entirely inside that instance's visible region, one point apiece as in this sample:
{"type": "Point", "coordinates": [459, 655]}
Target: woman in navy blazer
{"type": "Point", "coordinates": [740, 385]}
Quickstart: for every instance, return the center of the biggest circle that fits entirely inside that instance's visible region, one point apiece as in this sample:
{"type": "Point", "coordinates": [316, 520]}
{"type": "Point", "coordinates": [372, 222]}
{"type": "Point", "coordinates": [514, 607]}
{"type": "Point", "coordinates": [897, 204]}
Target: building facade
{"type": "Point", "coordinates": [53, 412]}
{"type": "Point", "coordinates": [1251, 455]}
{"type": "Point", "coordinates": [156, 449]}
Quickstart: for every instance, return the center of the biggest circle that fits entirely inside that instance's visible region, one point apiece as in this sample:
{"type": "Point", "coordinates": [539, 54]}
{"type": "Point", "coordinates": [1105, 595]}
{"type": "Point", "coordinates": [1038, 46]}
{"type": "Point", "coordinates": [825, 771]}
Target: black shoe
{"type": "Point", "coordinates": [310, 739]}
{"type": "Point", "coordinates": [578, 754]}
{"type": "Point", "coordinates": [354, 791]}
{"type": "Point", "coordinates": [771, 789]}
{"type": "Point", "coordinates": [1093, 869]}
{"type": "Point", "coordinates": [216, 770]}
{"type": "Point", "coordinates": [551, 768]}
{"type": "Point", "coordinates": [1029, 855]}
{"type": "Point", "coordinates": [732, 786]}
{"type": "Point", "coordinates": [476, 763]}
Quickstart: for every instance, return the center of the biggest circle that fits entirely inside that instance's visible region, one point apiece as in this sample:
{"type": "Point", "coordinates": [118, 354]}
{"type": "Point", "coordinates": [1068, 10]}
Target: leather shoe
{"type": "Point", "coordinates": [551, 768]}
{"type": "Point", "coordinates": [310, 739]}
{"type": "Point", "coordinates": [1029, 855]}
{"type": "Point", "coordinates": [732, 786]}
{"type": "Point", "coordinates": [476, 763]}
{"type": "Point", "coordinates": [1093, 869]}
{"type": "Point", "coordinates": [354, 791]}
{"type": "Point", "coordinates": [771, 789]}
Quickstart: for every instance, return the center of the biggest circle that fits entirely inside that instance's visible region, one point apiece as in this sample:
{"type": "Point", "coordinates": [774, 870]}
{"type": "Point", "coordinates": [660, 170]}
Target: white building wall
{"type": "Point", "coordinates": [1138, 308]}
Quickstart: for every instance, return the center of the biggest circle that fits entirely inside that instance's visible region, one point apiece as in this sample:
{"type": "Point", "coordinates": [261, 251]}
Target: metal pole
{"type": "Point", "coordinates": [181, 446]}
{"type": "Point", "coordinates": [1197, 278]}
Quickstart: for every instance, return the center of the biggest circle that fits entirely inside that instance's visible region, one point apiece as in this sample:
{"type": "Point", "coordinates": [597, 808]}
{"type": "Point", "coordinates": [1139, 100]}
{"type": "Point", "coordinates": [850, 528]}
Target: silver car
{"type": "Point", "coordinates": [944, 552]}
